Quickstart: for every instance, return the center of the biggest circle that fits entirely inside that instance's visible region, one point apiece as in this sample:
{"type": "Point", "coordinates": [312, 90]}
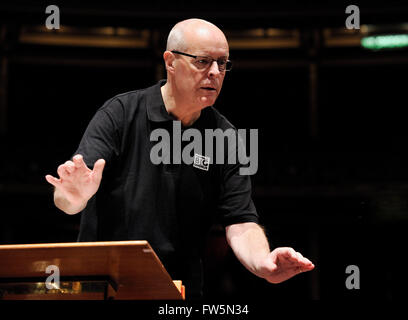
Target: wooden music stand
{"type": "Point", "coordinates": [124, 270]}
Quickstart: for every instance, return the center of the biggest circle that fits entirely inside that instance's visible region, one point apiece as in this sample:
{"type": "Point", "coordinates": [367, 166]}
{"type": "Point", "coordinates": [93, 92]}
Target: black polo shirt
{"type": "Point", "coordinates": [170, 205]}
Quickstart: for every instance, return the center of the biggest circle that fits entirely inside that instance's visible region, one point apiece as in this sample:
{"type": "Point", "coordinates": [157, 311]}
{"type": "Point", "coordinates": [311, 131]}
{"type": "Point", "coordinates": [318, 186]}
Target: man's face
{"type": "Point", "coordinates": [197, 85]}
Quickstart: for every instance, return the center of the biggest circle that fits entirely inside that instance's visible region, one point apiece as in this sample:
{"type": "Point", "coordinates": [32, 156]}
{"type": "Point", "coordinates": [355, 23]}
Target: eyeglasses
{"type": "Point", "coordinates": [203, 62]}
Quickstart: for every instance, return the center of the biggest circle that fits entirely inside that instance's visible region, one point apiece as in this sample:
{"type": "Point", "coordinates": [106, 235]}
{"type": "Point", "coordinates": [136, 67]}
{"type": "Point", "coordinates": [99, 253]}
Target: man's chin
{"type": "Point", "coordinates": [206, 101]}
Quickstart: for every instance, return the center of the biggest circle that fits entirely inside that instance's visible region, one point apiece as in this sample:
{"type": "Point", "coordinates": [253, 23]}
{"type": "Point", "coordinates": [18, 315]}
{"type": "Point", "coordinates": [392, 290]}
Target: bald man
{"type": "Point", "coordinates": [172, 205]}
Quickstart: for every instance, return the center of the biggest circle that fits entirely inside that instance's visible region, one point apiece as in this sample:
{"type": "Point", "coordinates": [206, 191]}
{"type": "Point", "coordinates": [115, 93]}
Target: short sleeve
{"type": "Point", "coordinates": [102, 137]}
{"type": "Point", "coordinates": [235, 202]}
{"type": "Point", "coordinates": [101, 140]}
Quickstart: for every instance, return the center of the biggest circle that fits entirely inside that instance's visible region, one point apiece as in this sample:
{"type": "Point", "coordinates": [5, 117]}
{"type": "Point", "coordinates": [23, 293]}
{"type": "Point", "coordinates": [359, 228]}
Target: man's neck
{"type": "Point", "coordinates": [180, 111]}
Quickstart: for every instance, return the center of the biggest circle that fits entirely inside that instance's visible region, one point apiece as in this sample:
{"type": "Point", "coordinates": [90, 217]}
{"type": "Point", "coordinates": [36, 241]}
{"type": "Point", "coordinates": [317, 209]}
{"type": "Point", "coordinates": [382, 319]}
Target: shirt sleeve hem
{"type": "Point", "coordinates": [240, 219]}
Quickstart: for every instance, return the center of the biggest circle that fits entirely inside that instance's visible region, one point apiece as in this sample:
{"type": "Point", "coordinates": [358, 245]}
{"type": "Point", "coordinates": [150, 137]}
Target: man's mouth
{"type": "Point", "coordinates": [208, 88]}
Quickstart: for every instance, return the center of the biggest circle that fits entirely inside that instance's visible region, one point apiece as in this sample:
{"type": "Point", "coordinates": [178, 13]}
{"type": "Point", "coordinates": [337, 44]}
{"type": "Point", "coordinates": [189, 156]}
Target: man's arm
{"type": "Point", "coordinates": [250, 245]}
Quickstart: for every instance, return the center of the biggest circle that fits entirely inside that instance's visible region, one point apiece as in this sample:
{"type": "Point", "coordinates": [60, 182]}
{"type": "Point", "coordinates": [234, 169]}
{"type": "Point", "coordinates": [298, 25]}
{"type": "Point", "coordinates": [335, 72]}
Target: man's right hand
{"type": "Point", "coordinates": [76, 185]}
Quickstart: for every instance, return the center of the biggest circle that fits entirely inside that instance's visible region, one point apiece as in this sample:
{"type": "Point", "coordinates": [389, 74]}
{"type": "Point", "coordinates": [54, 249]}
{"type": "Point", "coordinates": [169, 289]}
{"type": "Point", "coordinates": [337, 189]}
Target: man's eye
{"type": "Point", "coordinates": [203, 61]}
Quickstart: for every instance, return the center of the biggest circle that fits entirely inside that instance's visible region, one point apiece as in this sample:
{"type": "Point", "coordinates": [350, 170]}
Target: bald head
{"type": "Point", "coordinates": [187, 32]}
{"type": "Point", "coordinates": [194, 84]}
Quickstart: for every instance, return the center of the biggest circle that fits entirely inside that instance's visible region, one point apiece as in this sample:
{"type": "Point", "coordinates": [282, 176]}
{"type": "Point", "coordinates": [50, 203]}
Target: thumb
{"type": "Point", "coordinates": [266, 264]}
{"type": "Point", "coordinates": [98, 169]}
{"type": "Point", "coordinates": [271, 264]}
{"type": "Point", "coordinates": [54, 181]}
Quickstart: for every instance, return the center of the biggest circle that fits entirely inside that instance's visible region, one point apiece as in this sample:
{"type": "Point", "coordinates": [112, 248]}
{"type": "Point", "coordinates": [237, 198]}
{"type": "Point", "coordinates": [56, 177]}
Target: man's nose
{"type": "Point", "coordinates": [214, 71]}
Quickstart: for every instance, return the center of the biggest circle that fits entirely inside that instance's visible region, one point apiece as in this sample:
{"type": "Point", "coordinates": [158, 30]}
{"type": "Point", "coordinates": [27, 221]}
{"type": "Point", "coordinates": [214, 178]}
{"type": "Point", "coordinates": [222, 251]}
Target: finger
{"type": "Point", "coordinates": [298, 269]}
{"type": "Point", "coordinates": [289, 254]}
{"type": "Point", "coordinates": [284, 251]}
{"type": "Point", "coordinates": [301, 259]}
{"type": "Point", "coordinates": [79, 162]}
{"type": "Point", "coordinates": [69, 166]}
{"type": "Point", "coordinates": [308, 266]}
{"type": "Point", "coordinates": [271, 264]}
{"type": "Point", "coordinates": [98, 169]}
{"type": "Point", "coordinates": [305, 268]}
{"type": "Point", "coordinates": [307, 261]}
{"type": "Point", "coordinates": [305, 264]}
{"type": "Point", "coordinates": [52, 180]}
{"type": "Point", "coordinates": [62, 172]}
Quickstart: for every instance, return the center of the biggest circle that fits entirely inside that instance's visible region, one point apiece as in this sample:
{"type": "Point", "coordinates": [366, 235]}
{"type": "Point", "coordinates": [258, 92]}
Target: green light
{"type": "Point", "coordinates": [385, 41]}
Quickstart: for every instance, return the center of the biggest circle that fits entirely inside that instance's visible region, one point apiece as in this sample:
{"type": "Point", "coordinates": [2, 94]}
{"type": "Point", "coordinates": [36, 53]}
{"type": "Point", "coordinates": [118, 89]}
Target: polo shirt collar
{"type": "Point", "coordinates": [156, 111]}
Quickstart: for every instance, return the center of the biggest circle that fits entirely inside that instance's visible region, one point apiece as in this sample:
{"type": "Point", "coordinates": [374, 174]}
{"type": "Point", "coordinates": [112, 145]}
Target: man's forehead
{"type": "Point", "coordinates": [206, 37]}
{"type": "Point", "coordinates": [209, 48]}
{"type": "Point", "coordinates": [212, 54]}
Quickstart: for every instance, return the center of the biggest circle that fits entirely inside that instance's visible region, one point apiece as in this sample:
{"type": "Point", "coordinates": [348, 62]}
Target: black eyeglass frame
{"type": "Point", "coordinates": [228, 63]}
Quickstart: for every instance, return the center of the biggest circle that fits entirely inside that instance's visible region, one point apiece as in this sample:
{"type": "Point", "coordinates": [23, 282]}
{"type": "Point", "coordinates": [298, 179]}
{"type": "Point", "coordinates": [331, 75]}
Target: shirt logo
{"type": "Point", "coordinates": [229, 144]}
{"type": "Point", "coordinates": [201, 162]}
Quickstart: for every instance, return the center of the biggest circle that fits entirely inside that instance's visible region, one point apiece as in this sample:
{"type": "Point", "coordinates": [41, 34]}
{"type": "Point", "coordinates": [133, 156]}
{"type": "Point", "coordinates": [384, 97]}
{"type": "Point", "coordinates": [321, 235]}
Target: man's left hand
{"type": "Point", "coordinates": [282, 264]}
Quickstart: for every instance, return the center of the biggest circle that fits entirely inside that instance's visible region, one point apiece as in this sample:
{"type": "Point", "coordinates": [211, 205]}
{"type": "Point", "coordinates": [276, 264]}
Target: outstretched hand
{"type": "Point", "coordinates": [284, 263]}
{"type": "Point", "coordinates": [77, 183]}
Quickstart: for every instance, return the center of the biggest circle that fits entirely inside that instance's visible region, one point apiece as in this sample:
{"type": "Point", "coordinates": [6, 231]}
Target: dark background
{"type": "Point", "coordinates": [333, 176]}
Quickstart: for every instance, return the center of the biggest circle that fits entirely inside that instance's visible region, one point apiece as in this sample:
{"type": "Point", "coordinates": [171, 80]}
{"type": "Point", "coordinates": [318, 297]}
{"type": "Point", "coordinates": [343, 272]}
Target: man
{"type": "Point", "coordinates": [170, 205]}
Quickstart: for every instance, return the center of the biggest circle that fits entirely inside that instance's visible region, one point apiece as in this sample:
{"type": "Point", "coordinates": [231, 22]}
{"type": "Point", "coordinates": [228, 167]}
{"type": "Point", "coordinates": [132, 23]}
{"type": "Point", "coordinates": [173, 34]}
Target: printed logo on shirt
{"type": "Point", "coordinates": [201, 162]}
{"type": "Point", "coordinates": [229, 144]}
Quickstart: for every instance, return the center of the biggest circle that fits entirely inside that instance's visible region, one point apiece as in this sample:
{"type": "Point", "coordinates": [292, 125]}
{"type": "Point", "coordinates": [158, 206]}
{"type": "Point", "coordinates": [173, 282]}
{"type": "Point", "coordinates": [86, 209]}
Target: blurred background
{"type": "Point", "coordinates": [329, 103]}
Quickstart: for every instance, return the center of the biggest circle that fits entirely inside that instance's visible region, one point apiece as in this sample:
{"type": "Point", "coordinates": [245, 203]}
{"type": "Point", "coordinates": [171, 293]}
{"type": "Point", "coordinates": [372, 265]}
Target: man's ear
{"type": "Point", "coordinates": [169, 61]}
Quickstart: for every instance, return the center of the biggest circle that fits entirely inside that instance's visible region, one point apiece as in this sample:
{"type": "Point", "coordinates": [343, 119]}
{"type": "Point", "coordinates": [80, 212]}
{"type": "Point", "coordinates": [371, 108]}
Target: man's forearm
{"type": "Point", "coordinates": [249, 243]}
{"type": "Point", "coordinates": [62, 203]}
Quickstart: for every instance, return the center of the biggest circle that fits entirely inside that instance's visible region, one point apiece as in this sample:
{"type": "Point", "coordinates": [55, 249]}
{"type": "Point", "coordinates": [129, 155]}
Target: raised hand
{"type": "Point", "coordinates": [76, 184]}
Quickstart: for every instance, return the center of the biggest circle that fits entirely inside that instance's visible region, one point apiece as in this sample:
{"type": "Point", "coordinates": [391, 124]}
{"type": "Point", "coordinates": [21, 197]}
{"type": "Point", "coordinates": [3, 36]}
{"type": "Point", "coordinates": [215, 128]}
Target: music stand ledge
{"type": "Point", "coordinates": [123, 270]}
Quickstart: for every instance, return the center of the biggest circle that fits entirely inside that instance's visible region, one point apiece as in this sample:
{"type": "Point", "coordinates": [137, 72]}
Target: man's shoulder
{"type": "Point", "coordinates": [127, 100]}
